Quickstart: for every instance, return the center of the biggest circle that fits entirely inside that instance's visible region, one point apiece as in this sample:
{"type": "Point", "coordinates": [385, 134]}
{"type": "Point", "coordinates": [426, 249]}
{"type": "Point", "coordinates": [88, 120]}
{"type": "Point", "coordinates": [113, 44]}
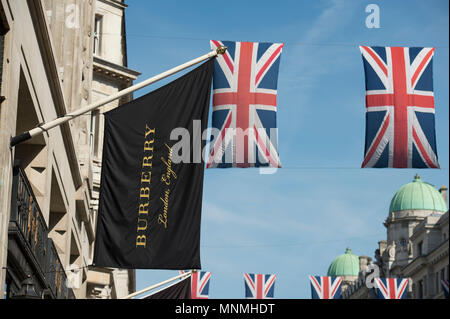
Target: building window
{"type": "Point", "coordinates": [437, 283]}
{"type": "Point", "coordinates": [420, 290]}
{"type": "Point", "coordinates": [97, 33]}
{"type": "Point", "coordinates": [426, 284]}
{"type": "Point", "coordinates": [2, 48]}
{"type": "Point", "coordinates": [420, 249]}
{"type": "Point", "coordinates": [403, 243]}
{"type": "Point", "coordinates": [93, 132]}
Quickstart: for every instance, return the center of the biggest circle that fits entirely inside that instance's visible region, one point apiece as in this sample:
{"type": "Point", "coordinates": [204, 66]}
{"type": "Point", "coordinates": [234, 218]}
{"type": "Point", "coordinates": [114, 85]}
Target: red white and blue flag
{"type": "Point", "coordinates": [400, 130]}
{"type": "Point", "coordinates": [199, 284]}
{"type": "Point", "coordinates": [259, 286]}
{"type": "Point", "coordinates": [392, 288]}
{"type": "Point", "coordinates": [244, 129]}
{"type": "Point", "coordinates": [325, 287]}
{"type": "Point", "coordinates": [445, 287]}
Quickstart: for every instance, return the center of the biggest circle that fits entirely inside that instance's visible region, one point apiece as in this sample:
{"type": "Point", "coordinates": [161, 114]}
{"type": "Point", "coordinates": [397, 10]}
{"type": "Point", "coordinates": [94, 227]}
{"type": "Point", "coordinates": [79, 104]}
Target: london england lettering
{"type": "Point", "coordinates": [166, 178]}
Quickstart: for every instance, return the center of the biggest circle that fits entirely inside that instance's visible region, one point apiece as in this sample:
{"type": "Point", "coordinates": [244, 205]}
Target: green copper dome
{"type": "Point", "coordinates": [418, 195]}
{"type": "Point", "coordinates": [345, 265]}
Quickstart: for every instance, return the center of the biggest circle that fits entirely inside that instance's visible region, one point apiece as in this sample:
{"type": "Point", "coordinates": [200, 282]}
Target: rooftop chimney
{"type": "Point", "coordinates": [443, 191]}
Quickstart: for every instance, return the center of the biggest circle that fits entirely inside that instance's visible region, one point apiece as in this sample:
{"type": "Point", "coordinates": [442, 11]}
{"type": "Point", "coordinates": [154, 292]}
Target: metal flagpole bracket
{"type": "Point", "coordinates": [221, 49]}
{"type": "Point", "coordinates": [25, 136]}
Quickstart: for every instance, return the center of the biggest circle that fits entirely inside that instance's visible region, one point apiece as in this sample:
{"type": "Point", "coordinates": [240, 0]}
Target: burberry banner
{"type": "Point", "coordinates": [152, 180]}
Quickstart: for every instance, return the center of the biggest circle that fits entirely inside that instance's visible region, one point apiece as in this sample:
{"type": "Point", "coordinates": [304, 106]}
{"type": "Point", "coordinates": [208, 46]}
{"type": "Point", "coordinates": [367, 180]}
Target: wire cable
{"type": "Point", "coordinates": [169, 37]}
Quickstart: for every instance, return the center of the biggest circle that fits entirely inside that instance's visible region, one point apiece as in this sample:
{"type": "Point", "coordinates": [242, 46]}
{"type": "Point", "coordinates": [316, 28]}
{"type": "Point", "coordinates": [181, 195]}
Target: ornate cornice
{"type": "Point", "coordinates": [115, 3]}
{"type": "Point", "coordinates": [114, 71]}
{"type": "Point", "coordinates": [439, 253]}
{"type": "Point", "coordinates": [435, 256]}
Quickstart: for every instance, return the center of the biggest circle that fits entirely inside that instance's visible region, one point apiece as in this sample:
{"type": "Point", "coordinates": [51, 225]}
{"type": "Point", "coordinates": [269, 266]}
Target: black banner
{"type": "Point", "coordinates": [151, 185]}
{"type": "Point", "coordinates": [180, 290]}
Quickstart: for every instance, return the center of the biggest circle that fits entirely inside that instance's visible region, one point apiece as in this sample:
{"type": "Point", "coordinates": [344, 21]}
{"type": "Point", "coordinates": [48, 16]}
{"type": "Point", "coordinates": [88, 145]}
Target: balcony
{"type": "Point", "coordinates": [31, 251]}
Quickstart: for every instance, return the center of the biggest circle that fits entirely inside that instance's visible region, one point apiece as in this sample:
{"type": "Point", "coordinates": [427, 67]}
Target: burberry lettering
{"type": "Point", "coordinates": [144, 192]}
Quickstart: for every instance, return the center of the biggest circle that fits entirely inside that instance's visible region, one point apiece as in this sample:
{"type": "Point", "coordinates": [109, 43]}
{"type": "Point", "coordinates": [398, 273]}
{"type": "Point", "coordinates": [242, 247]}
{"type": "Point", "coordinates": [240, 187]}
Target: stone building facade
{"type": "Point", "coordinates": [430, 264]}
{"type": "Point", "coordinates": [417, 245]}
{"type": "Point", "coordinates": [56, 56]}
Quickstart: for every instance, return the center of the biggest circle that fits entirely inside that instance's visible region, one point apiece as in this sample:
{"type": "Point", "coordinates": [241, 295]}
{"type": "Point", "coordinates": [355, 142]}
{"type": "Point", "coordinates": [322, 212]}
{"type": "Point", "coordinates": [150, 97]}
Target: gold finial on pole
{"type": "Point", "coordinates": [221, 50]}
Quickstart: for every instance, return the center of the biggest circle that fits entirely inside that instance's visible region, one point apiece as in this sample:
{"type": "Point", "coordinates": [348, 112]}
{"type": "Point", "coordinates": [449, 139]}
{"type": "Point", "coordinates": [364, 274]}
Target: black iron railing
{"type": "Point", "coordinates": [26, 216]}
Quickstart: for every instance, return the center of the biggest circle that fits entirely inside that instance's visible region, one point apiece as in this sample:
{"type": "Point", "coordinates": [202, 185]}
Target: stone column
{"type": "Point", "coordinates": [8, 116]}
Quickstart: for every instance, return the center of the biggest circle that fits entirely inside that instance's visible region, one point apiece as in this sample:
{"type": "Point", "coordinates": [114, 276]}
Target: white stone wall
{"type": "Point", "coordinates": [48, 72]}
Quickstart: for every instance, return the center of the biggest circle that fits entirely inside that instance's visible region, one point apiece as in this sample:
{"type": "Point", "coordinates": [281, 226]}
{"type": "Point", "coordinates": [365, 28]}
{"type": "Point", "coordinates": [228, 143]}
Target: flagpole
{"type": "Point", "coordinates": [186, 274]}
{"type": "Point", "coordinates": [46, 126]}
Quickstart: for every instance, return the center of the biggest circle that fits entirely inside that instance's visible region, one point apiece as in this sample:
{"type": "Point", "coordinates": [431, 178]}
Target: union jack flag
{"type": "Point", "coordinates": [258, 286]}
{"type": "Point", "coordinates": [445, 287]}
{"type": "Point", "coordinates": [399, 107]}
{"type": "Point", "coordinates": [245, 105]}
{"type": "Point", "coordinates": [324, 287]}
{"type": "Point", "coordinates": [199, 284]}
{"type": "Point", "coordinates": [392, 288]}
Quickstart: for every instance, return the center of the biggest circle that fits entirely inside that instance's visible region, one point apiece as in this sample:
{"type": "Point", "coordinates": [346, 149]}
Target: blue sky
{"type": "Point", "coordinates": [295, 222]}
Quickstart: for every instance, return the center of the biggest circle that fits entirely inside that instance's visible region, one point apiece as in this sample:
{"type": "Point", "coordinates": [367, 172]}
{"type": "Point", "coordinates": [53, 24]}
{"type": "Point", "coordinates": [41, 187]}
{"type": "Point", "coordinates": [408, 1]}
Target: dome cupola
{"type": "Point", "coordinates": [418, 195]}
{"type": "Point", "coordinates": [344, 265]}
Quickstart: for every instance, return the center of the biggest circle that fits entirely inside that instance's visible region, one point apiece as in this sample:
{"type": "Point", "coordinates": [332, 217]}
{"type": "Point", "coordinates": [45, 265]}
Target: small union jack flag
{"type": "Point", "coordinates": [399, 107]}
{"type": "Point", "coordinates": [392, 288]}
{"type": "Point", "coordinates": [258, 286]}
{"type": "Point", "coordinates": [324, 287]}
{"type": "Point", "coordinates": [199, 284]}
{"type": "Point", "coordinates": [445, 287]}
{"type": "Point", "coordinates": [245, 105]}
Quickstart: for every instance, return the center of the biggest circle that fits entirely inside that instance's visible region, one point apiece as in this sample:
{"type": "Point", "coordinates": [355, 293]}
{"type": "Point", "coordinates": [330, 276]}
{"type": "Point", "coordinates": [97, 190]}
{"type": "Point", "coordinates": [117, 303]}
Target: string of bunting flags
{"type": "Point", "coordinates": [151, 181]}
{"type": "Point", "coordinates": [262, 286]}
